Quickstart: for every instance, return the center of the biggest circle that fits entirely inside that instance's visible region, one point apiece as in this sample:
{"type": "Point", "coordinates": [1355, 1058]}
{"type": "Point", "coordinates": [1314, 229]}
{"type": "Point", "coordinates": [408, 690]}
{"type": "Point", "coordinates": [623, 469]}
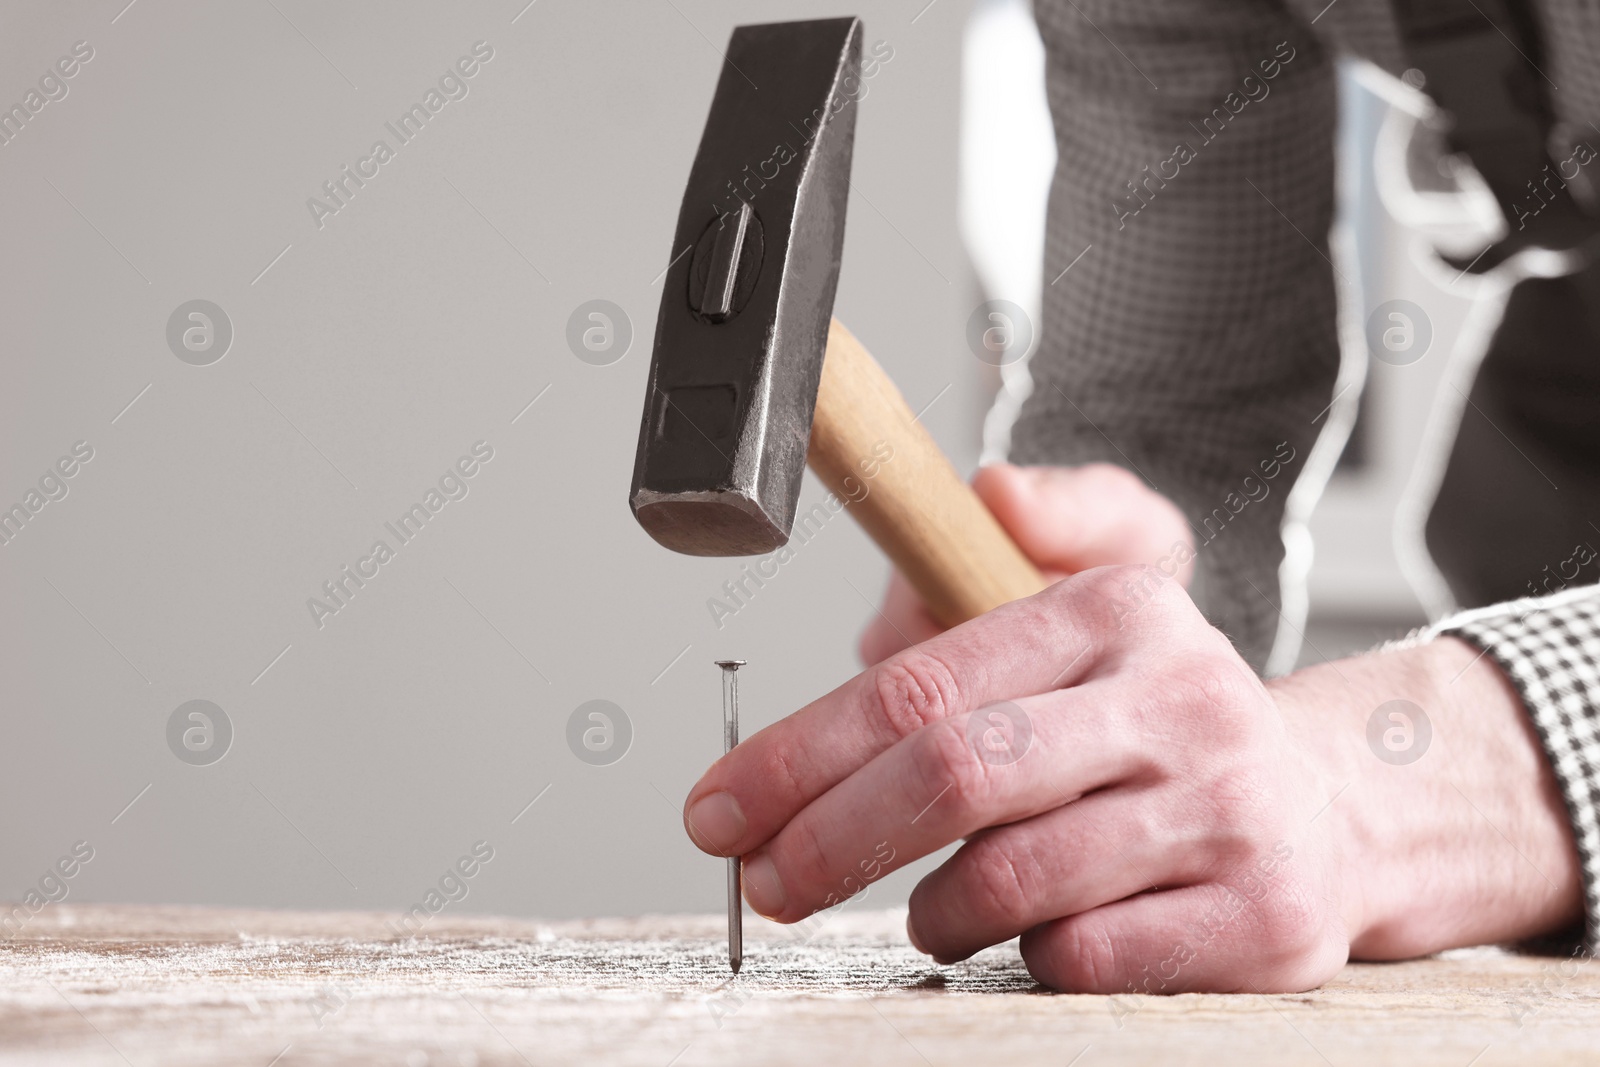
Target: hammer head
{"type": "Point", "coordinates": [748, 297]}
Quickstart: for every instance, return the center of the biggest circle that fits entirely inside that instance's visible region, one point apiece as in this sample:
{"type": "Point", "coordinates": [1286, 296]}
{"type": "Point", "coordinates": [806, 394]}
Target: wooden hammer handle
{"type": "Point", "coordinates": [869, 449]}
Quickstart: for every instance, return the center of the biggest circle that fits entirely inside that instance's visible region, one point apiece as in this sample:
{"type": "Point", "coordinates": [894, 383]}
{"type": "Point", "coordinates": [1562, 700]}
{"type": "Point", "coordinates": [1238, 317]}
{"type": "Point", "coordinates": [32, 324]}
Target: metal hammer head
{"type": "Point", "coordinates": [747, 300]}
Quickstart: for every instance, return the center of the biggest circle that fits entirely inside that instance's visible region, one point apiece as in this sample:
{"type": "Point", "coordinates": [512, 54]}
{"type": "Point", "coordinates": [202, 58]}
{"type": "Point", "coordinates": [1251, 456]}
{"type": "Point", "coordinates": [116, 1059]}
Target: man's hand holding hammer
{"type": "Point", "coordinates": [1172, 823]}
{"type": "Point", "coordinates": [1136, 804]}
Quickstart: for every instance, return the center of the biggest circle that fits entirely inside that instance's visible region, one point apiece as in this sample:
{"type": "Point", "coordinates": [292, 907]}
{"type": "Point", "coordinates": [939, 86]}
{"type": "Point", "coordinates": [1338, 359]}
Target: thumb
{"type": "Point", "coordinates": [1069, 519]}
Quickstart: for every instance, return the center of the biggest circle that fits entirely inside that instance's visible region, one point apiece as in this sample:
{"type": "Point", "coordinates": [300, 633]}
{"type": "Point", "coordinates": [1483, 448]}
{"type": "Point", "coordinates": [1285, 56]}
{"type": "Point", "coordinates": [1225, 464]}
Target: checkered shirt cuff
{"type": "Point", "coordinates": [1550, 649]}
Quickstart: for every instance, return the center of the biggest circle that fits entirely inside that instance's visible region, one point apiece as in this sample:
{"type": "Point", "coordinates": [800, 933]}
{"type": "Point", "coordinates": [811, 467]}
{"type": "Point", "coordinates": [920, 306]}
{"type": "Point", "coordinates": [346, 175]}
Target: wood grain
{"type": "Point", "coordinates": [143, 985]}
{"type": "Point", "coordinates": [913, 503]}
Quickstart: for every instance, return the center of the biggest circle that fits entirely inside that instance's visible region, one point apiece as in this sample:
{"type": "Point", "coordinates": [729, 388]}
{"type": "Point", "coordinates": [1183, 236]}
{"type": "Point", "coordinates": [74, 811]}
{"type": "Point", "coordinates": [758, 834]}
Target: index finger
{"type": "Point", "coordinates": [1030, 646]}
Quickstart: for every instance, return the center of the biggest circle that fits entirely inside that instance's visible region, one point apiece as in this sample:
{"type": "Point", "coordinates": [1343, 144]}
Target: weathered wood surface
{"type": "Point", "coordinates": [143, 986]}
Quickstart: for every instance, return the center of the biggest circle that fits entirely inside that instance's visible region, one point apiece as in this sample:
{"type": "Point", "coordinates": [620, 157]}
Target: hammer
{"type": "Point", "coordinates": [749, 367]}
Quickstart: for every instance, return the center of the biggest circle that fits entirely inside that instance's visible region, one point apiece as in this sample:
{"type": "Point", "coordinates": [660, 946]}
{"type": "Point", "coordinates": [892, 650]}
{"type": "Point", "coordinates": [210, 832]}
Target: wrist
{"type": "Point", "coordinates": [1449, 828]}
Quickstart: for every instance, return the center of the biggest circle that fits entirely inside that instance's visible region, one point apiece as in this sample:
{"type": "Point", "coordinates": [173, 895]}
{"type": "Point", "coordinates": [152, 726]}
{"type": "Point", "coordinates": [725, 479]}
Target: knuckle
{"type": "Point", "coordinates": [1216, 693]}
{"type": "Point", "coordinates": [1082, 957]}
{"type": "Point", "coordinates": [1290, 921]}
{"type": "Point", "coordinates": [1239, 811]}
{"type": "Point", "coordinates": [1000, 884]}
{"type": "Point", "coordinates": [1117, 595]}
{"type": "Point", "coordinates": [1107, 582]}
{"type": "Point", "coordinates": [778, 771]}
{"type": "Point", "coordinates": [1148, 828]}
{"type": "Point", "coordinates": [800, 857]}
{"type": "Point", "coordinates": [948, 765]}
{"type": "Point", "coordinates": [1055, 616]}
{"type": "Point", "coordinates": [911, 690]}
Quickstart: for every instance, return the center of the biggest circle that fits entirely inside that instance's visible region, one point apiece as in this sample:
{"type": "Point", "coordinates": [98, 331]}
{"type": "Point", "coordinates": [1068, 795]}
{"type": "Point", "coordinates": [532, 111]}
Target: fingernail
{"type": "Point", "coordinates": [911, 932]}
{"type": "Point", "coordinates": [716, 821]}
{"type": "Point", "coordinates": [762, 889]}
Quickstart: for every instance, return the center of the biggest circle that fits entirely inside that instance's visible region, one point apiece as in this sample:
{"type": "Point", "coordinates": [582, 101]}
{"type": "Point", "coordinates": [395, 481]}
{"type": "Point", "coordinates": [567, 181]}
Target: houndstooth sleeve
{"type": "Point", "coordinates": [1550, 649]}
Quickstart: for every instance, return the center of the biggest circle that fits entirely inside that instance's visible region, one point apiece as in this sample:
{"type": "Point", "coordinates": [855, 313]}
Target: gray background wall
{"type": "Point", "coordinates": [367, 356]}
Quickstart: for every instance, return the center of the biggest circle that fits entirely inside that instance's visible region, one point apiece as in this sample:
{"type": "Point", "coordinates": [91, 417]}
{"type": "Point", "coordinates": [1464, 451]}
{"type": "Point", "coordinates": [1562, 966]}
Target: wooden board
{"type": "Point", "coordinates": [142, 985]}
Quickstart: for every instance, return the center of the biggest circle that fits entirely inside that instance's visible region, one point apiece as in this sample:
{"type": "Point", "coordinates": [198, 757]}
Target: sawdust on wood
{"type": "Point", "coordinates": [139, 985]}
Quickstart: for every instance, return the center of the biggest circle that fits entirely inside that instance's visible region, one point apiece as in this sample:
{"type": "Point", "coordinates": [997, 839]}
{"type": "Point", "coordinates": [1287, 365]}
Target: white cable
{"type": "Point", "coordinates": [1298, 549]}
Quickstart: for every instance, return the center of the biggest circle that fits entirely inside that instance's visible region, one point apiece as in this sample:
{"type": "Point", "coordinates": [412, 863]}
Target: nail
{"type": "Point", "coordinates": [716, 822]}
{"type": "Point", "coordinates": [763, 891]}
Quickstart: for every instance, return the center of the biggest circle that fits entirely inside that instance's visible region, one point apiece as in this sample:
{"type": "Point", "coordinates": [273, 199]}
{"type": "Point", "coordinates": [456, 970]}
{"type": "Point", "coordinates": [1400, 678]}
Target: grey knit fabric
{"type": "Point", "coordinates": [1195, 338]}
